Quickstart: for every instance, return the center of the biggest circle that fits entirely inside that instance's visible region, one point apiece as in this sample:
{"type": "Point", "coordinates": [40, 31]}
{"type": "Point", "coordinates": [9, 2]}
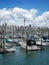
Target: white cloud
{"type": "Point", "coordinates": [43, 20]}
{"type": "Point", "coordinates": [21, 13]}
{"type": "Point", "coordinates": [5, 12]}
{"type": "Point", "coordinates": [16, 16]}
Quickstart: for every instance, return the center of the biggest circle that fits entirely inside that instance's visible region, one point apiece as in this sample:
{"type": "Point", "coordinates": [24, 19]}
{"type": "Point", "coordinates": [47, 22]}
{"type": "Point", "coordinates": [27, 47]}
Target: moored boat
{"type": "Point", "coordinates": [10, 49]}
{"type": "Point", "coordinates": [30, 44]}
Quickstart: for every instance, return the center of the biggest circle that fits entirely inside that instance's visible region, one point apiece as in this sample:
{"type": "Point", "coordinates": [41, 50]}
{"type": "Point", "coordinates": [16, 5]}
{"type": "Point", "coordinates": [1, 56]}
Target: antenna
{"type": "Point", "coordinates": [24, 22]}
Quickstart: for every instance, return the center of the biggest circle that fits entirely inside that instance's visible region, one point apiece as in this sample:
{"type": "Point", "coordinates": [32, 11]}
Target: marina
{"type": "Point", "coordinates": [24, 49]}
{"type": "Point", "coordinates": [24, 32]}
{"type": "Point", "coordinates": [26, 39]}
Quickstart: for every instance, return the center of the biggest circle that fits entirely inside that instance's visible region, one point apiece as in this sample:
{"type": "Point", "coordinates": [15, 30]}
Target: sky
{"type": "Point", "coordinates": [35, 12]}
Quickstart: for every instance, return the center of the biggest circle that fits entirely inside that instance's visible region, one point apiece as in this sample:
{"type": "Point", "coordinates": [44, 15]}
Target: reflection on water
{"type": "Point", "coordinates": [22, 58]}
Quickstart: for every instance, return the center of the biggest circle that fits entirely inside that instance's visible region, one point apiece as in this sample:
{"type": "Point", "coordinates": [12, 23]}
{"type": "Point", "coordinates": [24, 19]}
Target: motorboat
{"type": "Point", "coordinates": [7, 48]}
{"type": "Point", "coordinates": [10, 49]}
{"type": "Point", "coordinates": [9, 40]}
{"type": "Point", "coordinates": [44, 42]}
{"type": "Point", "coordinates": [30, 44]}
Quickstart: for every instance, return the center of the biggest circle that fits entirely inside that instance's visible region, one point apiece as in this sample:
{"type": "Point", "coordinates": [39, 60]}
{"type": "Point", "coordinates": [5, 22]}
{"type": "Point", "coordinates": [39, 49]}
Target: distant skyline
{"type": "Point", "coordinates": [36, 12]}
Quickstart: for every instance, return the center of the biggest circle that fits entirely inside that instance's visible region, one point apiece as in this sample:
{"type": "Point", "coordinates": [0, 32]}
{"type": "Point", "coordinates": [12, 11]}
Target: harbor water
{"type": "Point", "coordinates": [20, 57]}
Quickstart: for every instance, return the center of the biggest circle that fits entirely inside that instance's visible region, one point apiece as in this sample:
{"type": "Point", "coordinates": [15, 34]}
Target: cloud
{"type": "Point", "coordinates": [16, 16]}
{"type": "Point", "coordinates": [21, 13]}
{"type": "Point", "coordinates": [43, 20]}
{"type": "Point", "coordinates": [5, 15]}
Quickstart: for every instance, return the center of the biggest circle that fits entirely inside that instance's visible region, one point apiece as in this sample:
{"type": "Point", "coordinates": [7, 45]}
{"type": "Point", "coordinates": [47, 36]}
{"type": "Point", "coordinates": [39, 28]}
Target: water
{"type": "Point", "coordinates": [22, 58]}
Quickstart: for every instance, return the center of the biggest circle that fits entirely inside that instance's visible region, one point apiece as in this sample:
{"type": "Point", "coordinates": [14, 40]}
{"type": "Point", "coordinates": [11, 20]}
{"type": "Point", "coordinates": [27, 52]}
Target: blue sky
{"type": "Point", "coordinates": [42, 5]}
{"type": "Point", "coordinates": [36, 11]}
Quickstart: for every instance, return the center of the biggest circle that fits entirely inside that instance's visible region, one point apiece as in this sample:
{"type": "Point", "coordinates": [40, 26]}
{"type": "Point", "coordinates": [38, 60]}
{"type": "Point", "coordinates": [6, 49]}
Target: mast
{"type": "Point", "coordinates": [3, 31]}
{"type": "Point", "coordinates": [24, 25]}
{"type": "Point", "coordinates": [41, 38]}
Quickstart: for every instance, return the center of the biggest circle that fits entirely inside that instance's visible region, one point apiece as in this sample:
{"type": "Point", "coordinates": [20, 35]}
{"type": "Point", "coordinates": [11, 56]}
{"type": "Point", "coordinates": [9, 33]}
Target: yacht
{"type": "Point", "coordinates": [30, 44]}
{"type": "Point", "coordinates": [44, 42]}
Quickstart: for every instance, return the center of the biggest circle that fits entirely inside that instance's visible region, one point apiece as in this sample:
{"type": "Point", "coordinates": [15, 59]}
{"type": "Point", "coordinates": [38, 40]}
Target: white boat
{"type": "Point", "coordinates": [47, 42]}
{"type": "Point", "coordinates": [39, 43]}
{"type": "Point", "coordinates": [32, 47]}
{"type": "Point", "coordinates": [44, 43]}
{"type": "Point", "coordinates": [10, 49]}
{"type": "Point", "coordinates": [6, 36]}
{"type": "Point", "coordinates": [16, 40]}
